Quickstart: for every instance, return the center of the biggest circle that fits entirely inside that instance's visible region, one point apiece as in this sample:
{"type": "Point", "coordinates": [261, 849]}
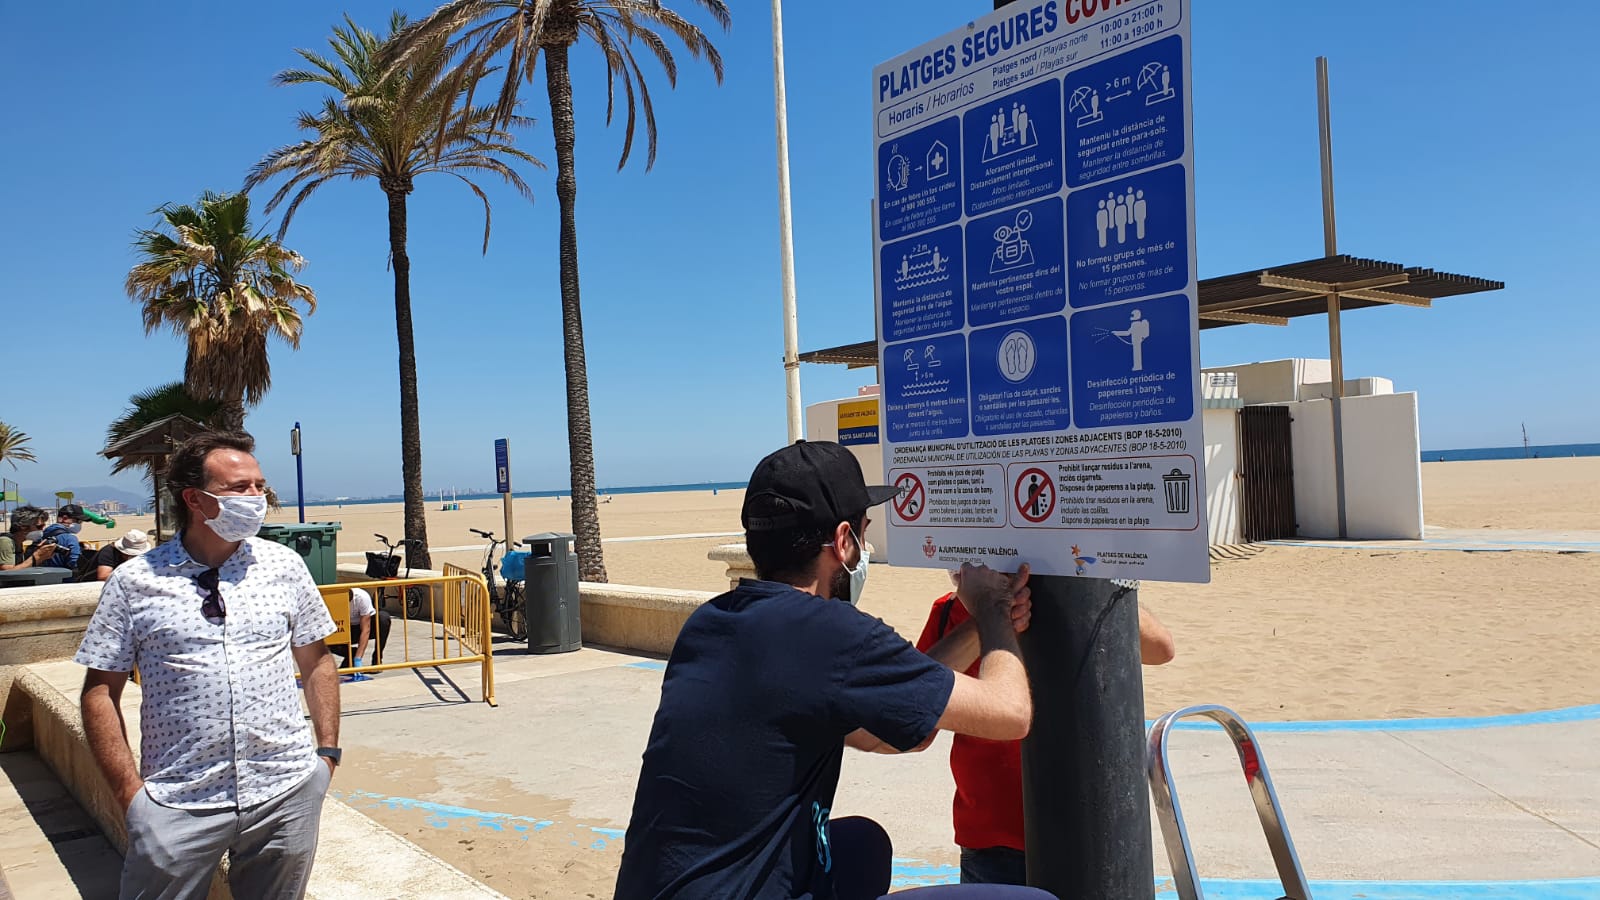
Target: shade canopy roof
{"type": "Point", "coordinates": [1276, 295]}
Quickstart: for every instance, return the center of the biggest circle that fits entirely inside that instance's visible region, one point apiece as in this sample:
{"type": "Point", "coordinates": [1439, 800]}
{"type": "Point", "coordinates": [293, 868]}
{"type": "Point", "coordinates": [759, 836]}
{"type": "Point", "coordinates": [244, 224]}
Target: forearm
{"type": "Point", "coordinates": [322, 699]}
{"type": "Point", "coordinates": [1002, 664]}
{"type": "Point", "coordinates": [959, 648]}
{"type": "Point", "coordinates": [366, 635]}
{"type": "Point", "coordinates": [108, 741]}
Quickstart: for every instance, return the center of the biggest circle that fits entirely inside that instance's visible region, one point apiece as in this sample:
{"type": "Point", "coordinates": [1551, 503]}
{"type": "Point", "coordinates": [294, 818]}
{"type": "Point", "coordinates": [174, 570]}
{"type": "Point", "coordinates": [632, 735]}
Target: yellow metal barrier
{"type": "Point", "coordinates": [458, 616]}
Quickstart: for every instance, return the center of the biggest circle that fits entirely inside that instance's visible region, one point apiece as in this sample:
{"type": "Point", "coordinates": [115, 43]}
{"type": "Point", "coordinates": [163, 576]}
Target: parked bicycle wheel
{"type": "Point", "coordinates": [514, 614]}
{"type": "Point", "coordinates": [416, 600]}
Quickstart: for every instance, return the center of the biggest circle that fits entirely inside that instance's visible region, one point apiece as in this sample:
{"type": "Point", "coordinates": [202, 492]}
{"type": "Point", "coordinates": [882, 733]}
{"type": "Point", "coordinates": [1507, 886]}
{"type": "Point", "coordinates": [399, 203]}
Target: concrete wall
{"type": "Point", "coordinates": [1291, 380]}
{"type": "Point", "coordinates": [1383, 468]}
{"type": "Point", "coordinates": [44, 621]}
{"type": "Point", "coordinates": [1353, 387]}
{"type": "Point", "coordinates": [1275, 381]}
{"type": "Point", "coordinates": [1221, 428]}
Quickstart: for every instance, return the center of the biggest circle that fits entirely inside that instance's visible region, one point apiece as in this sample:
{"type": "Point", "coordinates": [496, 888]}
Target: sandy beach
{"type": "Point", "coordinates": [1289, 633]}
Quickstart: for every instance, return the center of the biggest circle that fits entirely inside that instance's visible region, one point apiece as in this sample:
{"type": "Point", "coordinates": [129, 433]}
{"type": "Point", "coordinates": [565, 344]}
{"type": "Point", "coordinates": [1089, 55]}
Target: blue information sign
{"type": "Point", "coordinates": [1125, 113]}
{"type": "Point", "coordinates": [1019, 377]}
{"type": "Point", "coordinates": [922, 284]}
{"type": "Point", "coordinates": [502, 466]}
{"type": "Point", "coordinates": [1128, 237]}
{"type": "Point", "coordinates": [1132, 363]}
{"type": "Point", "coordinates": [1016, 263]}
{"type": "Point", "coordinates": [1013, 148]}
{"type": "Point", "coordinates": [925, 389]}
{"type": "Point", "coordinates": [1037, 316]}
{"type": "Point", "coordinates": [919, 180]}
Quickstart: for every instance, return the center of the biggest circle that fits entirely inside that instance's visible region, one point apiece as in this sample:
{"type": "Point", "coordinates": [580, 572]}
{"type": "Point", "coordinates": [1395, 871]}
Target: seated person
{"type": "Point", "coordinates": [99, 566]}
{"type": "Point", "coordinates": [364, 619]}
{"type": "Point", "coordinates": [69, 519]}
{"type": "Point", "coordinates": [26, 521]}
{"type": "Point", "coordinates": [988, 774]}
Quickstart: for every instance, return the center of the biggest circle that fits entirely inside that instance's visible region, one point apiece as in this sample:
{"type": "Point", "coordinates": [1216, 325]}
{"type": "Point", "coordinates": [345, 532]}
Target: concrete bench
{"type": "Point", "coordinates": [356, 857]}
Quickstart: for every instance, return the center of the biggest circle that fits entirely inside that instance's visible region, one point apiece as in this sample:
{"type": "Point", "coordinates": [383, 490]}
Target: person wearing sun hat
{"type": "Point", "coordinates": [769, 682]}
{"type": "Point", "coordinates": [107, 558]}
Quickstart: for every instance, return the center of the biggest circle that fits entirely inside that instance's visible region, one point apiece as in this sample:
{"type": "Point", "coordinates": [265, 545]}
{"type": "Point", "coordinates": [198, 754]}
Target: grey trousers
{"type": "Point", "coordinates": [173, 853]}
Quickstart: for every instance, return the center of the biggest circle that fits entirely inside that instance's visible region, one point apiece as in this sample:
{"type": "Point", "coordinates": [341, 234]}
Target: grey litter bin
{"type": "Point", "coordinates": [550, 593]}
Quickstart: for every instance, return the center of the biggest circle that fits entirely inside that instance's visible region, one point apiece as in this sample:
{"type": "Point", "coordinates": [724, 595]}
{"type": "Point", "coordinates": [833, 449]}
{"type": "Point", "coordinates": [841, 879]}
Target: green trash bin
{"type": "Point", "coordinates": [318, 542]}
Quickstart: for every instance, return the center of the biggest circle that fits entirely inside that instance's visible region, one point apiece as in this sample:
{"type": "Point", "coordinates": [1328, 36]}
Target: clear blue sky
{"type": "Point", "coordinates": [1465, 137]}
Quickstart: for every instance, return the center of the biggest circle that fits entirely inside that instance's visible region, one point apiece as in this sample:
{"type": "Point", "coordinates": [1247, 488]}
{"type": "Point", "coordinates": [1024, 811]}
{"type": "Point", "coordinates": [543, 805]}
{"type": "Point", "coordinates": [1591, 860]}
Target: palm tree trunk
{"type": "Point", "coordinates": [580, 438]}
{"type": "Point", "coordinates": [230, 416]}
{"type": "Point", "coordinates": [416, 523]}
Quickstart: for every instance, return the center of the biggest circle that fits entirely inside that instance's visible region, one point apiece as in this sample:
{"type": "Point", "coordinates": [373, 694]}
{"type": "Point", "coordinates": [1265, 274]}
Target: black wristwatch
{"type": "Point", "coordinates": [333, 753]}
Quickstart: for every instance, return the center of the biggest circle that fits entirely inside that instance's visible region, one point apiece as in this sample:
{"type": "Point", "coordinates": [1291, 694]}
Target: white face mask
{"type": "Point", "coordinates": [34, 536]}
{"type": "Point", "coordinates": [858, 575]}
{"type": "Point", "coordinates": [75, 527]}
{"type": "Point", "coordinates": [238, 516]}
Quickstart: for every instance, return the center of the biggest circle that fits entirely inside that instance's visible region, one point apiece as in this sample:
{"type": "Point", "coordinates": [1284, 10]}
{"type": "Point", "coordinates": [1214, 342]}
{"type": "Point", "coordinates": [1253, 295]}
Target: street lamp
{"type": "Point", "coordinates": [791, 337]}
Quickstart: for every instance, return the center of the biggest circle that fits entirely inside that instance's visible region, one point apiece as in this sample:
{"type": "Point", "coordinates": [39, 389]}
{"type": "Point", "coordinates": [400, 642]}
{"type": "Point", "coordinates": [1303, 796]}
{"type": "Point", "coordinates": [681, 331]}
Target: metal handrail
{"type": "Point", "coordinates": [1168, 812]}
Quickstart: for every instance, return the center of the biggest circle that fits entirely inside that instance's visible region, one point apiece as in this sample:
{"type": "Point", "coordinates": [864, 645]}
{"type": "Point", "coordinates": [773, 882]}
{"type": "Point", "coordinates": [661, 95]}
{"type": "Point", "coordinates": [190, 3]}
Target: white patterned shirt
{"type": "Point", "coordinates": [221, 722]}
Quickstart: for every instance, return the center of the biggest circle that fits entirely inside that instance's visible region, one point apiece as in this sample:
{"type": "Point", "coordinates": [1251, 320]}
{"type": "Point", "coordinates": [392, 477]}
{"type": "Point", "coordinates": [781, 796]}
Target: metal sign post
{"type": "Point", "coordinates": [299, 471]}
{"type": "Point", "coordinates": [502, 482]}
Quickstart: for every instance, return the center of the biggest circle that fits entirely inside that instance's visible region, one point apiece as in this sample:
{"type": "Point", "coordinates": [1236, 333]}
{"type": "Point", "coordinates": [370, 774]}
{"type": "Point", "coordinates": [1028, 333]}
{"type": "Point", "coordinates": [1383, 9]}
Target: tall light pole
{"type": "Point", "coordinates": [791, 326]}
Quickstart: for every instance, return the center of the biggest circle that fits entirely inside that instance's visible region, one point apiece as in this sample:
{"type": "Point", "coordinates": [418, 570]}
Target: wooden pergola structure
{"type": "Point", "coordinates": [151, 446]}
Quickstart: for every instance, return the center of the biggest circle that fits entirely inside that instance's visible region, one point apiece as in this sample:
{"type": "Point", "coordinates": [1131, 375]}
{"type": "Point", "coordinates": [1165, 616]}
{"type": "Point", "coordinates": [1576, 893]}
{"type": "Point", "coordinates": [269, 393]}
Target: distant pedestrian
{"type": "Point", "coordinates": [26, 522]}
{"type": "Point", "coordinates": [217, 621]}
{"type": "Point", "coordinates": [69, 519]}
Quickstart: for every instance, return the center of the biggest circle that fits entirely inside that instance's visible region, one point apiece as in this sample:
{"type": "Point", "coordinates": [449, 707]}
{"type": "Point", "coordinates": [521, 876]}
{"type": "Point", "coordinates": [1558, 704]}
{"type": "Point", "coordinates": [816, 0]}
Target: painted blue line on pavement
{"type": "Point", "coordinates": [1446, 723]}
{"type": "Point", "coordinates": [910, 872]}
{"type": "Point", "coordinates": [1453, 545]}
{"type": "Point", "coordinates": [1252, 889]}
{"type": "Point", "coordinates": [1452, 723]}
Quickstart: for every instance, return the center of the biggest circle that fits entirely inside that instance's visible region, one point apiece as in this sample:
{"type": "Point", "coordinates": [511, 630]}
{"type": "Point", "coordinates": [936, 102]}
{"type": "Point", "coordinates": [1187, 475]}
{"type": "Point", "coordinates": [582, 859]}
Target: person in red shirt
{"type": "Point", "coordinates": [988, 774]}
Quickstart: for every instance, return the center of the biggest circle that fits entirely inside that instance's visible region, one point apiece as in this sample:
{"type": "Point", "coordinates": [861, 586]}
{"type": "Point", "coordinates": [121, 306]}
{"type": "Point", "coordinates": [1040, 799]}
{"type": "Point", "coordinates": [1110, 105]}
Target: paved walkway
{"type": "Point", "coordinates": [1475, 540]}
{"type": "Point", "coordinates": [1466, 808]}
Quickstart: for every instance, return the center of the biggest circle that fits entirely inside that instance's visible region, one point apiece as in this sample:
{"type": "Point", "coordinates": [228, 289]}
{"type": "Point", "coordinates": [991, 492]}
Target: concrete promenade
{"type": "Point", "coordinates": [1505, 806]}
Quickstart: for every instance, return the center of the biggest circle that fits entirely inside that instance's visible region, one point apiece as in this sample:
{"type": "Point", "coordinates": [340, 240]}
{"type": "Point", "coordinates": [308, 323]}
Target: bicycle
{"type": "Point", "coordinates": [507, 603]}
{"type": "Point", "coordinates": [385, 566]}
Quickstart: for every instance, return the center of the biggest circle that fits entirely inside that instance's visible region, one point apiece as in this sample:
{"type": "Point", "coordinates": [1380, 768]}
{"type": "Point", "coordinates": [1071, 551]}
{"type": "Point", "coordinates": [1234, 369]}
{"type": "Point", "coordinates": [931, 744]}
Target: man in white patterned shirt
{"type": "Point", "coordinates": [216, 620]}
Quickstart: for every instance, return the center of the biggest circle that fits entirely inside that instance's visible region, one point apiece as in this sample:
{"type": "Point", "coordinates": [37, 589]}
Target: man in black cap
{"type": "Point", "coordinates": [64, 532]}
{"type": "Point", "coordinates": [768, 683]}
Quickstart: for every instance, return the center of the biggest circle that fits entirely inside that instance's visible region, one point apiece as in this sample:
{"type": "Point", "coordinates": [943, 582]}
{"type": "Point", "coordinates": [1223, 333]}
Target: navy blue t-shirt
{"type": "Point", "coordinates": [737, 784]}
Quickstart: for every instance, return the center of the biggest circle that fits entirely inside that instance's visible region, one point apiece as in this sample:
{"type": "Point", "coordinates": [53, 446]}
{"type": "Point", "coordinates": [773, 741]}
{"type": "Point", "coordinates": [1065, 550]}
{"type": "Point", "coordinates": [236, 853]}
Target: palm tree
{"type": "Point", "coordinates": [479, 31]}
{"type": "Point", "coordinates": [225, 289]}
{"type": "Point", "coordinates": [391, 127]}
{"type": "Point", "coordinates": [14, 446]}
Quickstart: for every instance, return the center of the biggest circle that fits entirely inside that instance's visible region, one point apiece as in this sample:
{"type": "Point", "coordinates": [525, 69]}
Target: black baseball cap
{"type": "Point", "coordinates": [808, 484]}
{"type": "Point", "coordinates": [71, 510]}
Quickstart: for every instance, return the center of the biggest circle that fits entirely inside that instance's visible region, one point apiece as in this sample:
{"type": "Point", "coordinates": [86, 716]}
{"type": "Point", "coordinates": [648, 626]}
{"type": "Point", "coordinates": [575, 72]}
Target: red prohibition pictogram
{"type": "Point", "coordinates": [912, 499]}
{"type": "Point", "coordinates": [1034, 495]}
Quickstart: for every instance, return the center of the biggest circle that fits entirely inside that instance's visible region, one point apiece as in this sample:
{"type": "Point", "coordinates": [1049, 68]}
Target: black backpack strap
{"type": "Point", "coordinates": [944, 617]}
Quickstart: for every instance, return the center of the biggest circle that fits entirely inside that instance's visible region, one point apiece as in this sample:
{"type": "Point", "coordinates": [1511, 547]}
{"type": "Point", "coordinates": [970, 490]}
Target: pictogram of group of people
{"type": "Point", "coordinates": [1117, 212]}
